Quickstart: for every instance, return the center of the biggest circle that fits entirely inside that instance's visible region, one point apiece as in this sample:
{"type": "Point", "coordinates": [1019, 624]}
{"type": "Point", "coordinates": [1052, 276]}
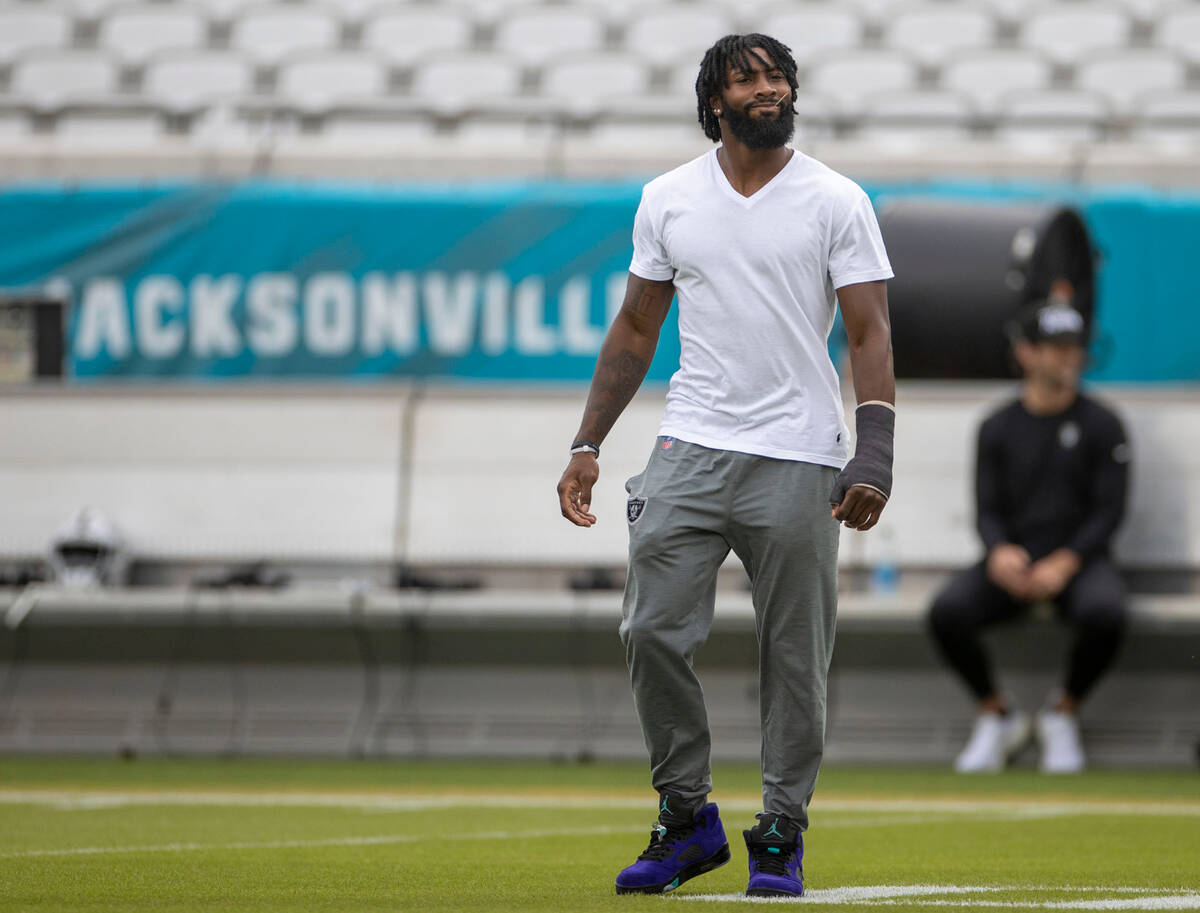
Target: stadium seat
{"type": "Point", "coordinates": [874, 11]}
{"type": "Point", "coordinates": [132, 34]}
{"type": "Point", "coordinates": [850, 77]}
{"type": "Point", "coordinates": [1147, 10]}
{"type": "Point", "coordinates": [187, 81]}
{"type": "Point", "coordinates": [378, 126]}
{"type": "Point", "coordinates": [454, 83]}
{"type": "Point", "coordinates": [359, 10]}
{"type": "Point", "coordinates": [483, 12]}
{"type": "Point", "coordinates": [1169, 118]}
{"type": "Point", "coordinates": [403, 35]}
{"type": "Point", "coordinates": [812, 28]}
{"type": "Point", "coordinates": [537, 34]}
{"type": "Point", "coordinates": [1069, 32]}
{"type": "Point", "coordinates": [1178, 29]}
{"type": "Point", "coordinates": [53, 79]}
{"type": "Point", "coordinates": [320, 80]}
{"type": "Point", "coordinates": [27, 27]}
{"type": "Point", "coordinates": [681, 81]}
{"type": "Point", "coordinates": [1009, 10]}
{"type": "Point", "coordinates": [662, 34]}
{"type": "Point", "coordinates": [584, 83]}
{"type": "Point", "coordinates": [15, 124]}
{"type": "Point", "coordinates": [927, 112]}
{"type": "Point", "coordinates": [986, 76]}
{"type": "Point", "coordinates": [266, 34]}
{"type": "Point", "coordinates": [1124, 76]}
{"type": "Point", "coordinates": [905, 123]}
{"type": "Point", "coordinates": [214, 10]}
{"type": "Point", "coordinates": [615, 11]}
{"type": "Point", "coordinates": [118, 126]}
{"type": "Point", "coordinates": [91, 9]}
{"type": "Point", "coordinates": [1047, 117]}
{"type": "Point", "coordinates": [930, 32]}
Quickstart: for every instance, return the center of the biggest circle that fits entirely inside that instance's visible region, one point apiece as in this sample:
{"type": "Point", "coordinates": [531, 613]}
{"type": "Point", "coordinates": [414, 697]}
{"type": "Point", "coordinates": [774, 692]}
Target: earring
{"type": "Point", "coordinates": [717, 111]}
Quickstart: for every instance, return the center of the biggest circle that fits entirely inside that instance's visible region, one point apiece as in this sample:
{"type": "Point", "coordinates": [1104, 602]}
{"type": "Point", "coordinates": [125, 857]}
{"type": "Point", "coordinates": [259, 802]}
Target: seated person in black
{"type": "Point", "coordinates": [1050, 482]}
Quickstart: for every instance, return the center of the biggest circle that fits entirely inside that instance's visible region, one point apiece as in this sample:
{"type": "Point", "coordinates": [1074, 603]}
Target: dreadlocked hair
{"type": "Point", "coordinates": [739, 51]}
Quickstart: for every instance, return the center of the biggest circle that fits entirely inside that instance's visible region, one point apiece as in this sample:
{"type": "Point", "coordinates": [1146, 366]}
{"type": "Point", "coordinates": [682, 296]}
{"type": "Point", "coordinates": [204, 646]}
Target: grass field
{"type": "Point", "coordinates": [175, 835]}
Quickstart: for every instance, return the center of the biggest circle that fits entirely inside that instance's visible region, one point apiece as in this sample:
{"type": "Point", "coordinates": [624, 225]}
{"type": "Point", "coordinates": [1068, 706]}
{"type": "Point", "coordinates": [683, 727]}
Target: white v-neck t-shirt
{"type": "Point", "coordinates": [755, 278]}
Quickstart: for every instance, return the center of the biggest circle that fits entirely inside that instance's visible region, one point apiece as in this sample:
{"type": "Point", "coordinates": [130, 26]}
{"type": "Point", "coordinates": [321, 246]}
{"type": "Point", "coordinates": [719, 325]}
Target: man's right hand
{"type": "Point", "coordinates": [575, 488]}
{"type": "Point", "coordinates": [1008, 568]}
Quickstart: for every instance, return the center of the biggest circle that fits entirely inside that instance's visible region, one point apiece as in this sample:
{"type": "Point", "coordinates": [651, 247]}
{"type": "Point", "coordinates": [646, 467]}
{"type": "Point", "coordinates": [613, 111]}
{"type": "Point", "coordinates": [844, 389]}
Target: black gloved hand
{"type": "Point", "coordinates": [875, 423]}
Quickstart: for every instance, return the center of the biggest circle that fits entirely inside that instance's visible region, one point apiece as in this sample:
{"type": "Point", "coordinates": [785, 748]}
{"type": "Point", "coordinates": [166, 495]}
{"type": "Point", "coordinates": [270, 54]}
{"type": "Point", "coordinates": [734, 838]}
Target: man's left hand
{"type": "Point", "coordinates": [1049, 576]}
{"type": "Point", "coordinates": [860, 508]}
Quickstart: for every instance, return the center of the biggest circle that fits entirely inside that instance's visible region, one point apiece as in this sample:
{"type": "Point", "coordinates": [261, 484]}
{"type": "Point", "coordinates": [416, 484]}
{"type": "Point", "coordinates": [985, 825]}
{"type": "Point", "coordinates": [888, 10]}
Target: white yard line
{"type": "Point", "coordinates": [393, 802]}
{"type": "Point", "coordinates": [301, 844]}
{"type": "Point", "coordinates": [936, 896]}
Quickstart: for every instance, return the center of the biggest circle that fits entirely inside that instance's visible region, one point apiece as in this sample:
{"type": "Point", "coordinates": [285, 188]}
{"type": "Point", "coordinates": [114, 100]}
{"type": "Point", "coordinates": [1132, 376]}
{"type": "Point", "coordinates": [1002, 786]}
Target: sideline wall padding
{"type": "Point", "coordinates": [480, 282]}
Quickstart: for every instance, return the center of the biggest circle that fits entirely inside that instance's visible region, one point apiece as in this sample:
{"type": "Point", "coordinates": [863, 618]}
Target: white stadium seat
{"type": "Point", "coordinates": [51, 79]}
{"type": "Point", "coordinates": [1178, 29]}
{"type": "Point", "coordinates": [1069, 32]}
{"type": "Point", "coordinates": [132, 34]}
{"type": "Point", "coordinates": [850, 77]}
{"type": "Point", "coordinates": [266, 34]}
{"type": "Point", "coordinates": [616, 11]}
{"type": "Point", "coordinates": [537, 34]}
{"type": "Point", "coordinates": [1169, 117]}
{"type": "Point", "coordinates": [1009, 10]}
{"type": "Point", "coordinates": [916, 117]}
{"type": "Point", "coordinates": [321, 80]}
{"type": "Point", "coordinates": [875, 11]}
{"type": "Point", "coordinates": [15, 125]}
{"type": "Point", "coordinates": [681, 80]}
{"type": "Point", "coordinates": [930, 32]}
{"type": "Point", "coordinates": [455, 82]}
{"type": "Point", "coordinates": [986, 76]}
{"type": "Point", "coordinates": [191, 80]}
{"type": "Point", "coordinates": [813, 28]}
{"type": "Point", "coordinates": [662, 34]}
{"type": "Point", "coordinates": [25, 27]}
{"type": "Point", "coordinates": [358, 10]}
{"type": "Point", "coordinates": [1047, 117]}
{"type": "Point", "coordinates": [1147, 10]}
{"type": "Point", "coordinates": [111, 126]}
{"type": "Point", "coordinates": [91, 9]}
{"type": "Point", "coordinates": [930, 106]}
{"type": "Point", "coordinates": [404, 35]}
{"type": "Point", "coordinates": [217, 10]}
{"type": "Point", "coordinates": [1124, 76]}
{"type": "Point", "coordinates": [586, 82]}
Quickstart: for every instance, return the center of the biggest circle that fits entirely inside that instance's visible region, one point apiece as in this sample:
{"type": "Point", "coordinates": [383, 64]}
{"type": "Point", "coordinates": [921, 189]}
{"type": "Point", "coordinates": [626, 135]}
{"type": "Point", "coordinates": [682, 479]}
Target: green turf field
{"type": "Point", "coordinates": [107, 835]}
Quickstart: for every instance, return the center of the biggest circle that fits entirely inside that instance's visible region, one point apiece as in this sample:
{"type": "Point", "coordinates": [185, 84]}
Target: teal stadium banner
{"type": "Point", "coordinates": [487, 282]}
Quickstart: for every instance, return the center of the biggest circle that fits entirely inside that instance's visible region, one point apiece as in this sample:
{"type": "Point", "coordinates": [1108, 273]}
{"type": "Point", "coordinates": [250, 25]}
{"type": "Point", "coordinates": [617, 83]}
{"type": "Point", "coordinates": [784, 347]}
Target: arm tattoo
{"type": "Point", "coordinates": [649, 303]}
{"type": "Point", "coordinates": [617, 379]}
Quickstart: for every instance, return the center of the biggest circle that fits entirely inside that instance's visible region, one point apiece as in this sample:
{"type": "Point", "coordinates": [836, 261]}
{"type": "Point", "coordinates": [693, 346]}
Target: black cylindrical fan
{"type": "Point", "coordinates": [965, 270]}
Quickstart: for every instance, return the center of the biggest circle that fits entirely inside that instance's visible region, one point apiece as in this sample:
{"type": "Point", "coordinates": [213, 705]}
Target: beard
{"type": "Point", "coordinates": [761, 132]}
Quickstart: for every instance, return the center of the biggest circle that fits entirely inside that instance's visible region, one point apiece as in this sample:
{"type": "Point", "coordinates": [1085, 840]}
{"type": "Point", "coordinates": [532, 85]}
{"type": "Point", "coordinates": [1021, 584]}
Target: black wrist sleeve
{"type": "Point", "coordinates": [872, 463]}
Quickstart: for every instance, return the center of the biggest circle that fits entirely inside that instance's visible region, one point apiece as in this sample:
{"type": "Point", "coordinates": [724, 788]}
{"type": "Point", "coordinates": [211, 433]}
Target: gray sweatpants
{"type": "Point", "coordinates": [686, 510]}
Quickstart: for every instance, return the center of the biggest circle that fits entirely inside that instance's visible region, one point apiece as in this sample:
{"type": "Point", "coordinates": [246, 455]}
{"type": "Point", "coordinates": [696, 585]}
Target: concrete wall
{"type": "Point", "coordinates": [451, 477]}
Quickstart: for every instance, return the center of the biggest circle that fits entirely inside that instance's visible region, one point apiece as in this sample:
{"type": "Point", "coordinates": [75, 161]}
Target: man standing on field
{"type": "Point", "coordinates": [754, 238]}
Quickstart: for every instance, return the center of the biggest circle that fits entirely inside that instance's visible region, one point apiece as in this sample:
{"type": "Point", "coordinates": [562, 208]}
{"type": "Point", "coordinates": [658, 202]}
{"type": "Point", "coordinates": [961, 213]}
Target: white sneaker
{"type": "Point", "coordinates": [1062, 749]}
{"type": "Point", "coordinates": [994, 741]}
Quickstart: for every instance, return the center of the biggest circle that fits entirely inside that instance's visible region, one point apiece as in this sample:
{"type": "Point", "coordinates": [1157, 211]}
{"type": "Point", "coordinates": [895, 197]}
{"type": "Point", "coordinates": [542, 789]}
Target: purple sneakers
{"type": "Point", "coordinates": [681, 847]}
{"type": "Point", "coordinates": [776, 850]}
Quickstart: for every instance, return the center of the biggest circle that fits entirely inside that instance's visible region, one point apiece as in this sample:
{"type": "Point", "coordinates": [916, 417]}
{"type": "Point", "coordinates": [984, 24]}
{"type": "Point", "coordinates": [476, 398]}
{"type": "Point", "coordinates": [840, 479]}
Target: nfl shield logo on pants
{"type": "Point", "coordinates": [634, 508]}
